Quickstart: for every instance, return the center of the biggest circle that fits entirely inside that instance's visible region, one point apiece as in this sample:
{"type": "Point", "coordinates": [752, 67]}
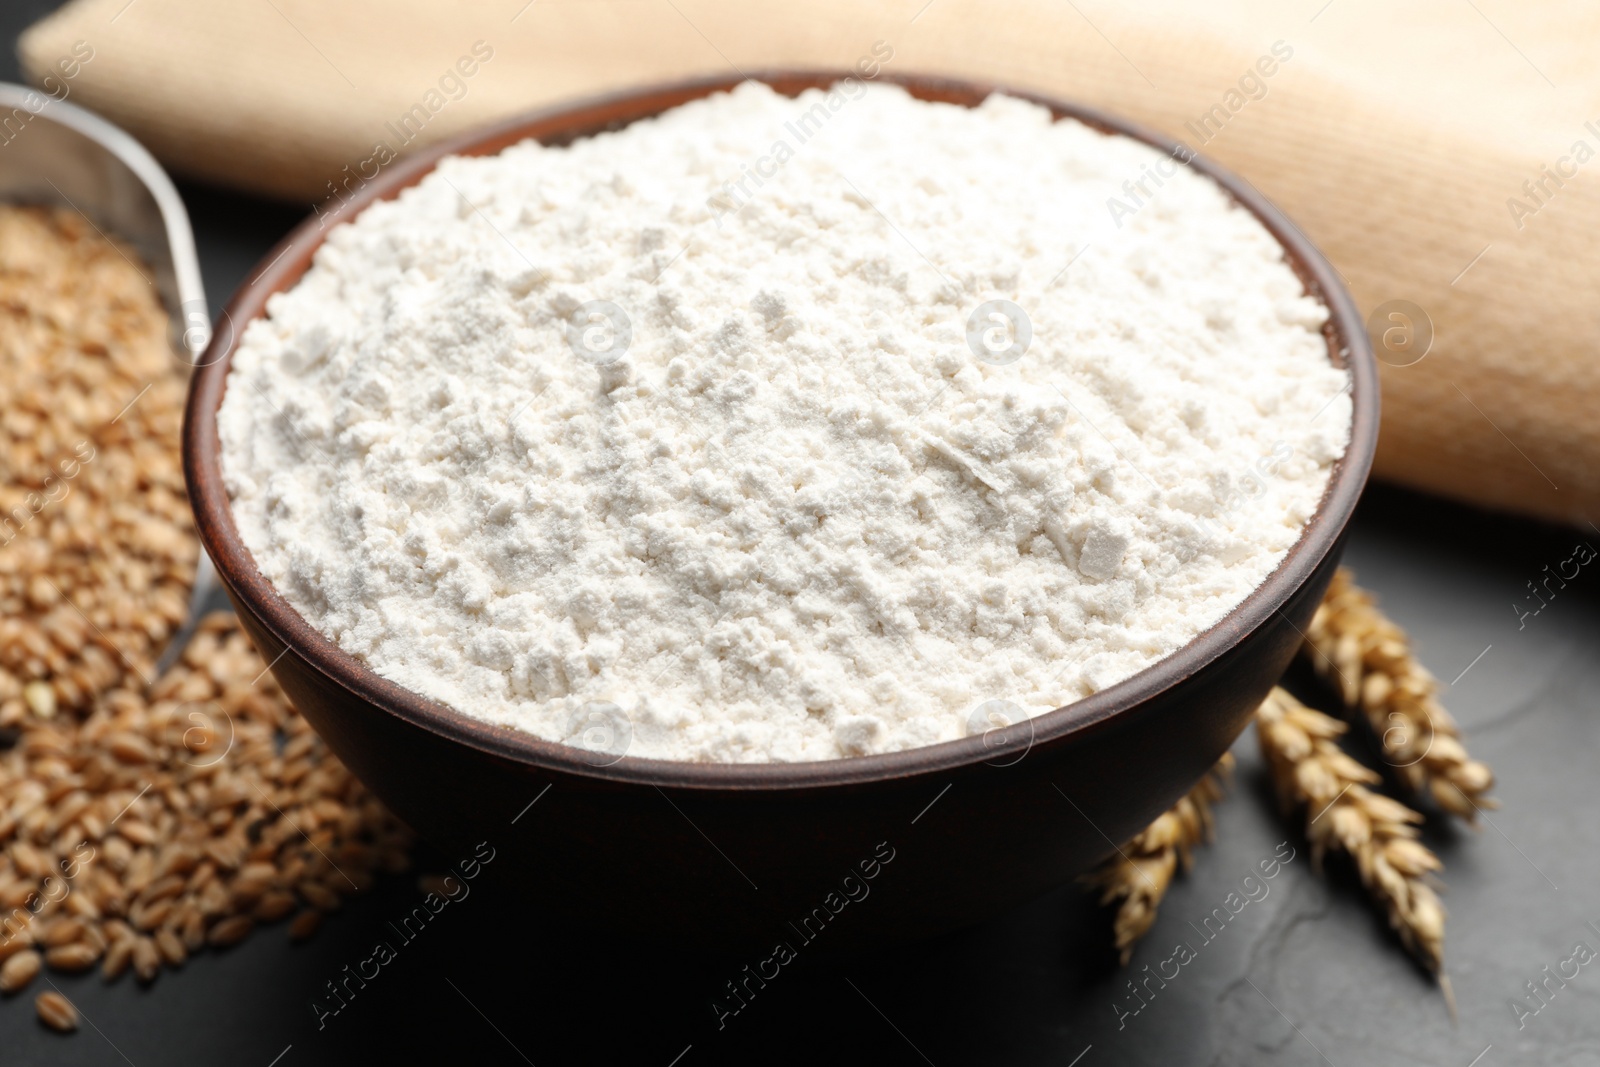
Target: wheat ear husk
{"type": "Point", "coordinates": [1312, 774]}
{"type": "Point", "coordinates": [1137, 877]}
{"type": "Point", "coordinates": [1368, 657]}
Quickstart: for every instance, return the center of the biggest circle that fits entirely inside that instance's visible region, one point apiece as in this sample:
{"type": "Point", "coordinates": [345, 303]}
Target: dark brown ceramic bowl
{"type": "Point", "coordinates": [739, 857]}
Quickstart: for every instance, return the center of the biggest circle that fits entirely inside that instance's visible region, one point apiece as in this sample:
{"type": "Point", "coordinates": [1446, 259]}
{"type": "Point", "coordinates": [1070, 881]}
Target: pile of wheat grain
{"type": "Point", "coordinates": [97, 550]}
{"type": "Point", "coordinates": [162, 824]}
{"type": "Point", "coordinates": [156, 826]}
{"type": "Point", "coordinates": [139, 822]}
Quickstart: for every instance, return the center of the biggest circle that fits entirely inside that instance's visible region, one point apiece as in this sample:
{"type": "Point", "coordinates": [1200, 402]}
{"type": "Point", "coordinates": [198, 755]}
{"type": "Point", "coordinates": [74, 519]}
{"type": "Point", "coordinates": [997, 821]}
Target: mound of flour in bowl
{"type": "Point", "coordinates": [682, 429]}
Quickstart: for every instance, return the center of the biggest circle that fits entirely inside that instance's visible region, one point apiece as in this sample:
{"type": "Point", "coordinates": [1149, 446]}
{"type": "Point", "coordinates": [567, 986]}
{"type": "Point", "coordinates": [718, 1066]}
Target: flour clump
{"type": "Point", "coordinates": [721, 453]}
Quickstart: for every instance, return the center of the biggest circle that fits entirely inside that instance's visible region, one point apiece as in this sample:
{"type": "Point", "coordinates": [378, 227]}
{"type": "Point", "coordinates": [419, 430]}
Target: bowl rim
{"type": "Point", "coordinates": [1345, 332]}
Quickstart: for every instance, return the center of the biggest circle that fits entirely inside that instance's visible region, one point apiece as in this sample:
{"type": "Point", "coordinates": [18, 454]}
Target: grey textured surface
{"type": "Point", "coordinates": [1307, 975]}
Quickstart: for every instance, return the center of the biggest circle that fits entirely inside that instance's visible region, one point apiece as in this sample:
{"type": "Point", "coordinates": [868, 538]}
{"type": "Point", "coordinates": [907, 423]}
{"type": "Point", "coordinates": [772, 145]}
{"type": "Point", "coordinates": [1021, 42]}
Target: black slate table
{"type": "Point", "coordinates": [1307, 974]}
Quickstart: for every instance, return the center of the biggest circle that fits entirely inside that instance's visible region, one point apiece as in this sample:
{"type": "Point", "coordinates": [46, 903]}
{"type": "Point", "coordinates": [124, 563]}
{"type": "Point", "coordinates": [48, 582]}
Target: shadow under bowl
{"type": "Point", "coordinates": [852, 854]}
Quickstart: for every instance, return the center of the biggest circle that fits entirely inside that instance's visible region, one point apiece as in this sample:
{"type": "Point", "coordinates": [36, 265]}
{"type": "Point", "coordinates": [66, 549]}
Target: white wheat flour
{"type": "Point", "coordinates": [798, 519]}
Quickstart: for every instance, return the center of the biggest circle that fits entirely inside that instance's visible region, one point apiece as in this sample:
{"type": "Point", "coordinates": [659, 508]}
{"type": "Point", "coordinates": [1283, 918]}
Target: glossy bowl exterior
{"type": "Point", "coordinates": [849, 853]}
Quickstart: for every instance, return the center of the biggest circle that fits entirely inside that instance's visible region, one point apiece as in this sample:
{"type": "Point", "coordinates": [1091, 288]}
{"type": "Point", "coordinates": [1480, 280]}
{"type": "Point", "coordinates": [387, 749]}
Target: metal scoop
{"type": "Point", "coordinates": [53, 152]}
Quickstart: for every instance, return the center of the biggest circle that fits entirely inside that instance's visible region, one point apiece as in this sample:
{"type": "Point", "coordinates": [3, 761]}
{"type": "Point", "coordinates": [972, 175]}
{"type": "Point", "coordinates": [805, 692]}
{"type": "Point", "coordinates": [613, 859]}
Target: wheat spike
{"type": "Point", "coordinates": [1363, 652]}
{"type": "Point", "coordinates": [1137, 877]}
{"type": "Point", "coordinates": [1311, 773]}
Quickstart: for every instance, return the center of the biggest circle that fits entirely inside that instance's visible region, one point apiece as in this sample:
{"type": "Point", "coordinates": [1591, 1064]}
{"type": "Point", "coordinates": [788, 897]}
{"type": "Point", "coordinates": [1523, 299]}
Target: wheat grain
{"type": "Point", "coordinates": [274, 906]}
{"type": "Point", "coordinates": [170, 945]}
{"type": "Point", "coordinates": [1368, 657]}
{"type": "Point", "coordinates": [305, 924]}
{"type": "Point", "coordinates": [78, 956]}
{"type": "Point", "coordinates": [1311, 774]}
{"type": "Point", "coordinates": [117, 958]}
{"type": "Point", "coordinates": [230, 931]}
{"type": "Point", "coordinates": [1138, 876]}
{"type": "Point", "coordinates": [63, 932]}
{"type": "Point", "coordinates": [19, 970]}
{"type": "Point", "coordinates": [146, 960]}
{"type": "Point", "coordinates": [56, 1012]}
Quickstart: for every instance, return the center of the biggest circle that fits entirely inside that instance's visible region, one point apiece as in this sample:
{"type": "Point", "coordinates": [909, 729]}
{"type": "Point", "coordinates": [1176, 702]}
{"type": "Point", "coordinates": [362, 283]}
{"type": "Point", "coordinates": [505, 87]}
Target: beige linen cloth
{"type": "Point", "coordinates": [1439, 153]}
